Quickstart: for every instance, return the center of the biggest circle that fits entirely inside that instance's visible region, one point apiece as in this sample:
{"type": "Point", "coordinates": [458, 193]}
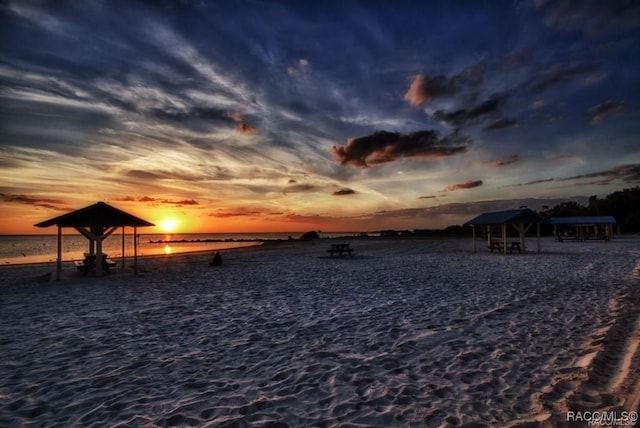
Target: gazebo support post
{"type": "Point", "coordinates": [123, 247]}
{"type": "Point", "coordinates": [135, 250]}
{"type": "Point", "coordinates": [473, 234]}
{"type": "Point", "coordinates": [59, 259]}
{"type": "Point", "coordinates": [538, 235]}
{"type": "Point", "coordinates": [504, 238]}
{"type": "Point", "coordinates": [488, 236]}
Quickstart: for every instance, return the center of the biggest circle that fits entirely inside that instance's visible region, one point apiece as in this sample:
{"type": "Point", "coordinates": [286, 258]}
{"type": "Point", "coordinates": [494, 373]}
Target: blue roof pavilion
{"type": "Point", "coordinates": [521, 219]}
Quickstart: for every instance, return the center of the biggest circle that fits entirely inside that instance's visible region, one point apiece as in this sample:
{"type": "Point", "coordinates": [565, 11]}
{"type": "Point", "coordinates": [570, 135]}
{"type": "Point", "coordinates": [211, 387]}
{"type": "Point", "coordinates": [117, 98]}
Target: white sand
{"type": "Point", "coordinates": [415, 332]}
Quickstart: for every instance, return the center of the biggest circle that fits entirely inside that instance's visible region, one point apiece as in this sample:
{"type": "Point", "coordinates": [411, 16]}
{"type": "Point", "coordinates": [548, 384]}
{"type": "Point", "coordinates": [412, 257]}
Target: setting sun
{"type": "Point", "coordinates": [168, 224]}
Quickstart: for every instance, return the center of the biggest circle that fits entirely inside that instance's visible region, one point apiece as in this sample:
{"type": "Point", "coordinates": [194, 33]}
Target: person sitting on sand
{"type": "Point", "coordinates": [217, 260]}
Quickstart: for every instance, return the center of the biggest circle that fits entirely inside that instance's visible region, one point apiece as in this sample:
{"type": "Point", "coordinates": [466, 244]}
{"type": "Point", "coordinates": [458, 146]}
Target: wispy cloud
{"type": "Point", "coordinates": [460, 186]}
{"type": "Point", "coordinates": [599, 112]}
{"type": "Point", "coordinates": [626, 173]}
{"type": "Point", "coordinates": [157, 201]}
{"type": "Point", "coordinates": [53, 204]}
{"type": "Point", "coordinates": [344, 191]}
{"type": "Point", "coordinates": [501, 124]}
{"type": "Point", "coordinates": [464, 116]}
{"type": "Point", "coordinates": [504, 162]}
{"type": "Point", "coordinates": [300, 70]}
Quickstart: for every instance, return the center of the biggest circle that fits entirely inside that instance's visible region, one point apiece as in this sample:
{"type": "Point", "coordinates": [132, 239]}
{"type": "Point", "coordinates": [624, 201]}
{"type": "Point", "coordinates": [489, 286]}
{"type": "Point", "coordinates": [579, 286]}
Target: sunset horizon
{"type": "Point", "coordinates": [286, 117]}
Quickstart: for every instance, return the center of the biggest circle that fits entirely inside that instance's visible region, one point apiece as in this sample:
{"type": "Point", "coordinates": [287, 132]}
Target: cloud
{"type": "Point", "coordinates": [463, 116]}
{"type": "Point", "coordinates": [537, 104]}
{"type": "Point", "coordinates": [503, 162]}
{"type": "Point", "coordinates": [627, 173]}
{"type": "Point", "coordinates": [242, 212]}
{"type": "Point", "coordinates": [245, 128]}
{"type": "Point", "coordinates": [423, 89]}
{"type": "Point", "coordinates": [38, 202]}
{"type": "Point", "coordinates": [345, 191]}
{"type": "Point", "coordinates": [241, 126]}
{"type": "Point", "coordinates": [466, 185]}
{"type": "Point", "coordinates": [562, 73]}
{"type": "Point", "coordinates": [592, 17]}
{"type": "Point", "coordinates": [501, 123]}
{"type": "Point", "coordinates": [158, 201]}
{"type": "Point", "coordinates": [609, 108]}
{"type": "Point", "coordinates": [382, 147]}
{"type": "Point", "coordinates": [301, 70]}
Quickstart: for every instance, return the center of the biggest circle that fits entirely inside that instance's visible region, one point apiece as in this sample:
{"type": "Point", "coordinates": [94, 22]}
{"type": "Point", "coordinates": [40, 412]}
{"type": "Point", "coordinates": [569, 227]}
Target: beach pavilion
{"type": "Point", "coordinates": [96, 223]}
{"type": "Point", "coordinates": [583, 227]}
{"type": "Point", "coordinates": [521, 219]}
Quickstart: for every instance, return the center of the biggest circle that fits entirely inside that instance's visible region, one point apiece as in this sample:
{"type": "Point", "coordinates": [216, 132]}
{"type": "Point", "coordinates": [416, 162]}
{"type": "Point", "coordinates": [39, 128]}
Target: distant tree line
{"type": "Point", "coordinates": [624, 205]}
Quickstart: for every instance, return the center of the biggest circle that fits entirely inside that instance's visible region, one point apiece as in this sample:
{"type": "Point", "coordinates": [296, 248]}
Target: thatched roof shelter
{"type": "Point", "coordinates": [96, 223]}
{"type": "Point", "coordinates": [522, 219]}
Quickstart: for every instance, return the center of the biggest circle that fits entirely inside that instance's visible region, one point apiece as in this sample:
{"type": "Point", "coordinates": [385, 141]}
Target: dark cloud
{"type": "Point", "coordinates": [382, 147]}
{"type": "Point", "coordinates": [345, 191]}
{"type": "Point", "coordinates": [423, 88]}
{"type": "Point", "coordinates": [503, 162]}
{"type": "Point", "coordinates": [627, 173]}
{"type": "Point", "coordinates": [592, 17]}
{"type": "Point", "coordinates": [528, 183]}
{"type": "Point", "coordinates": [430, 197]}
{"type": "Point", "coordinates": [562, 74]}
{"type": "Point", "coordinates": [242, 212]}
{"type": "Point", "coordinates": [501, 123]}
{"type": "Point", "coordinates": [159, 201]}
{"type": "Point", "coordinates": [464, 116]}
{"type": "Point", "coordinates": [38, 202]}
{"type": "Point", "coordinates": [466, 185]}
{"type": "Point", "coordinates": [600, 111]}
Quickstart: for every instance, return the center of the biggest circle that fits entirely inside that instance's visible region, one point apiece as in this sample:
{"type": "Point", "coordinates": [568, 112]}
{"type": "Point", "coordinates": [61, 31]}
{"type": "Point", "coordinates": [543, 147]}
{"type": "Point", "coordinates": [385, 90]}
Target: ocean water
{"type": "Point", "coordinates": [20, 249]}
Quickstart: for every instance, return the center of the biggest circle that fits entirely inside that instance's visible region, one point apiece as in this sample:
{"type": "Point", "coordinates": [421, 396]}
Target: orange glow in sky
{"type": "Point", "coordinates": [418, 124]}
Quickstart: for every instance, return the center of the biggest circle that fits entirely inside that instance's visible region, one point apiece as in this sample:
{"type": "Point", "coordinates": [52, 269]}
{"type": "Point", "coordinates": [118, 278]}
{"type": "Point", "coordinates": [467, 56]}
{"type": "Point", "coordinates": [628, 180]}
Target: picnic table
{"type": "Point", "coordinates": [499, 246]}
{"type": "Point", "coordinates": [89, 263]}
{"type": "Point", "coordinates": [340, 250]}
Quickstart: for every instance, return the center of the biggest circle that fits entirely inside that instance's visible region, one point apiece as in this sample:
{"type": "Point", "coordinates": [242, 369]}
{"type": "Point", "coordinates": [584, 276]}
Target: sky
{"type": "Point", "coordinates": [249, 116]}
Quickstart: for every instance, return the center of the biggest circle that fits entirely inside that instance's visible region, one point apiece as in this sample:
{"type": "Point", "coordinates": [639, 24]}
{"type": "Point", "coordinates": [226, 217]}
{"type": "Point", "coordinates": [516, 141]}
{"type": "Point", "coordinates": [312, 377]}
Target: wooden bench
{"type": "Point", "coordinates": [511, 247]}
{"type": "Point", "coordinates": [340, 250]}
{"type": "Point", "coordinates": [570, 238]}
{"type": "Point", "coordinates": [89, 264]}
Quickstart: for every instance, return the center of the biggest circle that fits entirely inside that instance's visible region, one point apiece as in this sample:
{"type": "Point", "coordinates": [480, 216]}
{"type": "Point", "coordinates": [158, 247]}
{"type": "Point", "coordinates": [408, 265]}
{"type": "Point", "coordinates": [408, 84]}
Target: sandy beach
{"type": "Point", "coordinates": [408, 332]}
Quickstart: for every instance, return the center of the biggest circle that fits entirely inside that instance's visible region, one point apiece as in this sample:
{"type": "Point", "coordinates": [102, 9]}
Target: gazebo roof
{"type": "Point", "coordinates": [583, 220]}
{"type": "Point", "coordinates": [520, 216]}
{"type": "Point", "coordinates": [99, 215]}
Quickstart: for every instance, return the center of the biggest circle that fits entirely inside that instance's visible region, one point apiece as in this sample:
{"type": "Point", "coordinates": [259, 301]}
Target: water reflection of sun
{"type": "Point", "coordinates": [167, 249]}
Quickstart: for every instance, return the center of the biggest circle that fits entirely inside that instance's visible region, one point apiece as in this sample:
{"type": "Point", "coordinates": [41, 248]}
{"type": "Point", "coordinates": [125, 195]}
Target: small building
{"type": "Point", "coordinates": [583, 228]}
{"type": "Point", "coordinates": [520, 219]}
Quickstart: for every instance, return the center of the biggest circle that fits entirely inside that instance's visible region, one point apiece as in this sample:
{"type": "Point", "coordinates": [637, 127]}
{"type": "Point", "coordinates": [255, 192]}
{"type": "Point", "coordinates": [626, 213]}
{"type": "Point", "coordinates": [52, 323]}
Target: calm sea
{"type": "Point", "coordinates": [19, 249]}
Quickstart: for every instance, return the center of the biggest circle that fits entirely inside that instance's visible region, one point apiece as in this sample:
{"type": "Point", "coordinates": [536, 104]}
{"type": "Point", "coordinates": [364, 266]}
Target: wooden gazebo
{"type": "Point", "coordinates": [521, 219]}
{"type": "Point", "coordinates": [96, 223]}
